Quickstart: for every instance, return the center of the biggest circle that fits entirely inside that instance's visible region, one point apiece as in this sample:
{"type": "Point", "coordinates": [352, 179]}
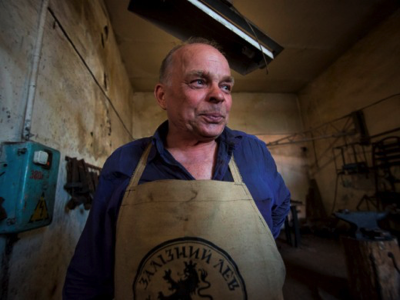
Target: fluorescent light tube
{"type": "Point", "coordinates": [231, 27]}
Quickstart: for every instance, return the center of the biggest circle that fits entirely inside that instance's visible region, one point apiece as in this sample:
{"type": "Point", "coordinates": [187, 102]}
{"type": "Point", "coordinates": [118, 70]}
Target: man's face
{"type": "Point", "coordinates": [197, 94]}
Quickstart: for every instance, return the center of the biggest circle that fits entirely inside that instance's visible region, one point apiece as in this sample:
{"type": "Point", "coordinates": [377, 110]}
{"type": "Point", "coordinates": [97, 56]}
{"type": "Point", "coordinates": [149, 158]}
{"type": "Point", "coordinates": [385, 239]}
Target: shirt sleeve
{"type": "Point", "coordinates": [266, 185]}
{"type": "Point", "coordinates": [90, 274]}
{"type": "Point", "coordinates": [281, 200]}
{"type": "Point", "coordinates": [281, 207]}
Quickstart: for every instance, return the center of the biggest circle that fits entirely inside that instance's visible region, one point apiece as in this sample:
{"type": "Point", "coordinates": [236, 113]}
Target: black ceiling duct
{"type": "Point", "coordinates": [210, 19]}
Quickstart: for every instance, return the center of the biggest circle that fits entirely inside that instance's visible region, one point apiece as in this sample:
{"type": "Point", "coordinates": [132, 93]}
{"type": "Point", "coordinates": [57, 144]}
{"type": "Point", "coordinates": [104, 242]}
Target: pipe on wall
{"type": "Point", "coordinates": [26, 130]}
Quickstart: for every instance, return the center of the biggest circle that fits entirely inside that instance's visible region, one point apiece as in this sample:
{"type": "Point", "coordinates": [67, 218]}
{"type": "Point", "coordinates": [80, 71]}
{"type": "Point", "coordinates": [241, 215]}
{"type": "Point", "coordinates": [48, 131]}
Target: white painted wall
{"type": "Point", "coordinates": [365, 74]}
{"type": "Point", "coordinates": [73, 112]}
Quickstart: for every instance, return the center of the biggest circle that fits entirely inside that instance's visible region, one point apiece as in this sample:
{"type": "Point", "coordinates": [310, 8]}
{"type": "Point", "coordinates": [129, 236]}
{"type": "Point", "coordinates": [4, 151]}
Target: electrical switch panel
{"type": "Point", "coordinates": [28, 180]}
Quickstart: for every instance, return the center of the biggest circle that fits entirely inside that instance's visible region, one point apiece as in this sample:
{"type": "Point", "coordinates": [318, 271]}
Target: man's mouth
{"type": "Point", "coordinates": [213, 117]}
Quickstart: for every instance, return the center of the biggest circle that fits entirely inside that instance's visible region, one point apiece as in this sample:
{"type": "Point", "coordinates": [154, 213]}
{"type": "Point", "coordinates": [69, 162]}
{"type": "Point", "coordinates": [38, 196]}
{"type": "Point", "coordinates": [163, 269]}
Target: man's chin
{"type": "Point", "coordinates": [211, 133]}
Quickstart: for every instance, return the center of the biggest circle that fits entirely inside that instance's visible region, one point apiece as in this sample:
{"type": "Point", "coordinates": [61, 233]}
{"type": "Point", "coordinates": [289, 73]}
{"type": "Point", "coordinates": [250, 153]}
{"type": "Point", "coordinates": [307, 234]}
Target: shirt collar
{"type": "Point", "coordinates": [229, 139]}
{"type": "Point", "coordinates": [158, 140]}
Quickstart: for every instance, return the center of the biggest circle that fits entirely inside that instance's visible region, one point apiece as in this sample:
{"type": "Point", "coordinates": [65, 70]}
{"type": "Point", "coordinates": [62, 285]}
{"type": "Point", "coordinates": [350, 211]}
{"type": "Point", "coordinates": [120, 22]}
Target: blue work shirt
{"type": "Point", "coordinates": [91, 271]}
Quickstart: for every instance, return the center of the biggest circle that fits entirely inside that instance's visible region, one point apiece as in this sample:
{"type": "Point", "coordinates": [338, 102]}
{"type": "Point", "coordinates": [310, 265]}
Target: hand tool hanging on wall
{"type": "Point", "coordinates": [82, 180]}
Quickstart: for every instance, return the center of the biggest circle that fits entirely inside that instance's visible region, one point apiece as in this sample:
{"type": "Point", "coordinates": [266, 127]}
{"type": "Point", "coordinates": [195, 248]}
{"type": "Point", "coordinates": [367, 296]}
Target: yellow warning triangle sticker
{"type": "Point", "coordinates": [40, 212]}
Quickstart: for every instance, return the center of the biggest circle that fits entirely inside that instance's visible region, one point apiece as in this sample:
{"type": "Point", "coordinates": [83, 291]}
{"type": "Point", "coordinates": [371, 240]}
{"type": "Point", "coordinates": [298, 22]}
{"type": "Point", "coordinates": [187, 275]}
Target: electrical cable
{"type": "Point", "coordinates": [334, 120]}
{"type": "Point", "coordinates": [90, 72]}
{"type": "Point", "coordinates": [254, 33]}
{"type": "Point", "coordinates": [27, 126]}
{"type": "Point", "coordinates": [381, 100]}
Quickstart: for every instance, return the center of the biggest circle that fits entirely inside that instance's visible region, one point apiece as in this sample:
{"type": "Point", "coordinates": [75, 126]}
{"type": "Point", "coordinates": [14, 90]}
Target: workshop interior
{"type": "Point", "coordinates": [317, 81]}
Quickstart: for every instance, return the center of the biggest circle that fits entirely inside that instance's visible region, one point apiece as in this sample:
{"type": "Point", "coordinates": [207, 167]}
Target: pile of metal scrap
{"type": "Point", "coordinates": [82, 180]}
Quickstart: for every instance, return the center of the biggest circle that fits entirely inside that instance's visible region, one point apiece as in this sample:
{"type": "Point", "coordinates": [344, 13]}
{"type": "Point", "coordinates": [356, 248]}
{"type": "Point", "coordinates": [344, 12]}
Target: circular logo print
{"type": "Point", "coordinates": [188, 268]}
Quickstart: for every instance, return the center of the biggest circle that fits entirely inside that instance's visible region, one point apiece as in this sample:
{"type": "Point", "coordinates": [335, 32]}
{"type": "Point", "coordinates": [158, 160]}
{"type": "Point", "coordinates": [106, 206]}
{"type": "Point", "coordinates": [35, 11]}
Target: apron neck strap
{"type": "Point", "coordinates": [237, 178]}
{"type": "Point", "coordinates": [140, 167]}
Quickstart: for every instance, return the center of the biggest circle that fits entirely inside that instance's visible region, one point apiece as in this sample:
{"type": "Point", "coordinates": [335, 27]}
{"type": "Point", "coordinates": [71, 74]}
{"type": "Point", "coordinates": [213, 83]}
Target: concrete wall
{"type": "Point", "coordinates": [82, 107]}
{"type": "Point", "coordinates": [269, 116]}
{"type": "Point", "coordinates": [366, 74]}
{"type": "Point", "coordinates": [149, 114]}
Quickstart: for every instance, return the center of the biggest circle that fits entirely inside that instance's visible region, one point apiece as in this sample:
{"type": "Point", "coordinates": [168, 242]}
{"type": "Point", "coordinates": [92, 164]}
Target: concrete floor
{"type": "Point", "coordinates": [314, 270]}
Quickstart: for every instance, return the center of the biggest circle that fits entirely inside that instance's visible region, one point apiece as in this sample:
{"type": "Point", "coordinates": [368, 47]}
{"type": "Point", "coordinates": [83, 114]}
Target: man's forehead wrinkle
{"type": "Point", "coordinates": [183, 58]}
{"type": "Point", "coordinates": [207, 73]}
{"type": "Point", "coordinates": [197, 72]}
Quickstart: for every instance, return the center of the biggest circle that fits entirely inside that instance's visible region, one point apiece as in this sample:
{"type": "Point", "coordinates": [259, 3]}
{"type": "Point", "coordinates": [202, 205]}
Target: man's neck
{"type": "Point", "coordinates": [198, 157]}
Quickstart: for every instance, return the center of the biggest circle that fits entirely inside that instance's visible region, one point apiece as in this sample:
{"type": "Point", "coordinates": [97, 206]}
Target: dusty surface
{"type": "Point", "coordinates": [315, 270]}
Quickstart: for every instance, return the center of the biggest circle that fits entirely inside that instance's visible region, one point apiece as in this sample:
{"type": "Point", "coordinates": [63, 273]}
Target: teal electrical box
{"type": "Point", "coordinates": [28, 180]}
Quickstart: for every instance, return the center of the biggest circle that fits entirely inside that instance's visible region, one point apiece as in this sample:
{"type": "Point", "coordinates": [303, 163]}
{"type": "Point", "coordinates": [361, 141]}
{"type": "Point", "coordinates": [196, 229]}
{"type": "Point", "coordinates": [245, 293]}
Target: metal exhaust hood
{"type": "Point", "coordinates": [246, 47]}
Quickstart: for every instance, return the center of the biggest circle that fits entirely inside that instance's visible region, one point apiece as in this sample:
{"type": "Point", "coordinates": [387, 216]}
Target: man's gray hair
{"type": "Point", "coordinates": [167, 61]}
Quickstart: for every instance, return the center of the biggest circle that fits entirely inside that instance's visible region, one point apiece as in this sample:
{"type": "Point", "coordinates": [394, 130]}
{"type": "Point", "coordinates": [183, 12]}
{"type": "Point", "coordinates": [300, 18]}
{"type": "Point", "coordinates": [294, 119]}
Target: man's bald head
{"type": "Point", "coordinates": [168, 60]}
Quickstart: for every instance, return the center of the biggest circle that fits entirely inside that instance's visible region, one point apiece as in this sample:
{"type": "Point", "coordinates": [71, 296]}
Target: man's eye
{"type": "Point", "coordinates": [196, 83]}
{"type": "Point", "coordinates": [227, 87]}
{"type": "Point", "coordinates": [199, 81]}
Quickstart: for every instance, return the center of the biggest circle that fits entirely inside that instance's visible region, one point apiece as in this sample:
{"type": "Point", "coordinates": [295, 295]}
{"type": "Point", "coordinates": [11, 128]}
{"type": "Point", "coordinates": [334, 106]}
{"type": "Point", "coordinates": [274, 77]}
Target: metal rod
{"type": "Point", "coordinates": [27, 126]}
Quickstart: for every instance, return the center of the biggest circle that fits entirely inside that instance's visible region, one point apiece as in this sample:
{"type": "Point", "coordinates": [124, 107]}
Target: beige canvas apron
{"type": "Point", "coordinates": [194, 239]}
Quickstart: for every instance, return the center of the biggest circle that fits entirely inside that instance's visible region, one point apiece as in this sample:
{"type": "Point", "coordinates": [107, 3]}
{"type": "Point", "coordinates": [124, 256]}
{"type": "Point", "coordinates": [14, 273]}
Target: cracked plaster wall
{"type": "Point", "coordinates": [80, 74]}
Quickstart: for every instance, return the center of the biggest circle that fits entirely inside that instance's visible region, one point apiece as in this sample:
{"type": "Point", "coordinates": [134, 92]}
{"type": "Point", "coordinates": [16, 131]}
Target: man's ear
{"type": "Point", "coordinates": [159, 93]}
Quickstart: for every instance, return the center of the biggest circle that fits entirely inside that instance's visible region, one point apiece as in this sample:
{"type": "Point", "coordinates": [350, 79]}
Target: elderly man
{"type": "Point", "coordinates": [191, 212]}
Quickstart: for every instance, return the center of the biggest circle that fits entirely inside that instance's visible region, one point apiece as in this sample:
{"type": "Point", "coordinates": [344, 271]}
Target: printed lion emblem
{"type": "Point", "coordinates": [187, 285]}
{"type": "Point", "coordinates": [188, 268]}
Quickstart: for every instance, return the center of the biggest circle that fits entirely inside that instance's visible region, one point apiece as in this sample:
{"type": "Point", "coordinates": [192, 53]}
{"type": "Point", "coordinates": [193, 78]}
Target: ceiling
{"type": "Point", "coordinates": [314, 33]}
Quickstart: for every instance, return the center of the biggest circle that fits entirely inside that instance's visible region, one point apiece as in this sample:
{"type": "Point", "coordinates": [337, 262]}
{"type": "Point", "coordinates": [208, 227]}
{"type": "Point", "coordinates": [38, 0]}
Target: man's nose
{"type": "Point", "coordinates": [215, 93]}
